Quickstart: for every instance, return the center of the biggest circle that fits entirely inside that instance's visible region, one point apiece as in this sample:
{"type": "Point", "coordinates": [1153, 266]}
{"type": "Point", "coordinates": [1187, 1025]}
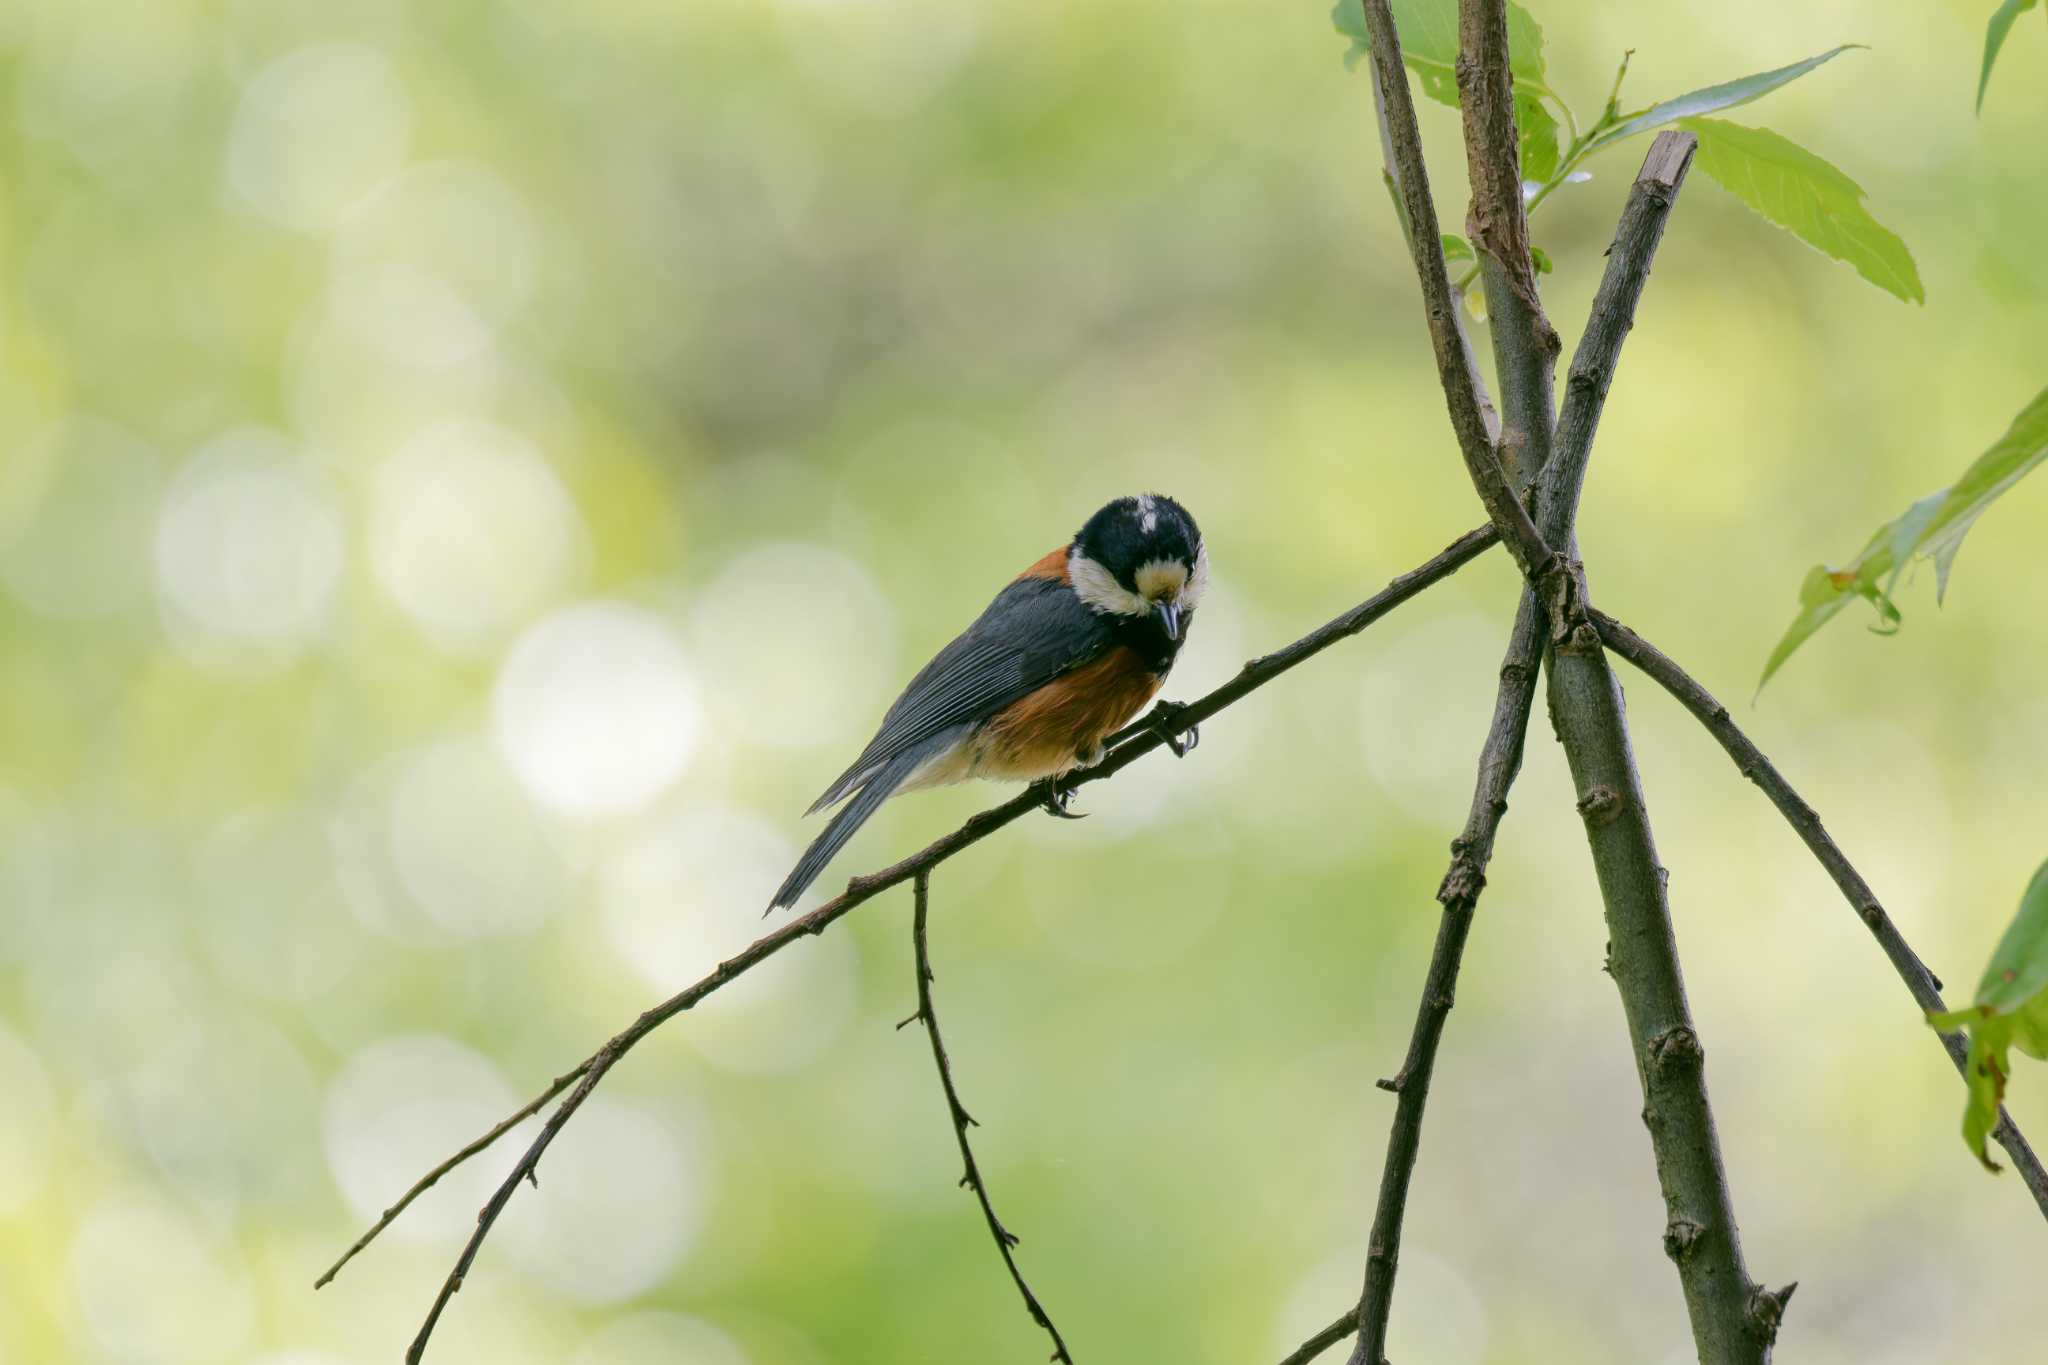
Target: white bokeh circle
{"type": "Point", "coordinates": [627, 1192]}
{"type": "Point", "coordinates": [659, 1337]}
{"type": "Point", "coordinates": [470, 531]}
{"type": "Point", "coordinates": [317, 130]}
{"type": "Point", "coordinates": [248, 547]}
{"type": "Point", "coordinates": [397, 1107]}
{"type": "Point", "coordinates": [595, 709]}
{"type": "Point", "coordinates": [798, 643]}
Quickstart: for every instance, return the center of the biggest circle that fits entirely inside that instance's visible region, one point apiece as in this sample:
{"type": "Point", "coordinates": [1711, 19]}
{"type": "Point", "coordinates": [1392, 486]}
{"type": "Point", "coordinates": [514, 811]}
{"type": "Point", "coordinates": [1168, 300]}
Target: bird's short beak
{"type": "Point", "coordinates": [1169, 619]}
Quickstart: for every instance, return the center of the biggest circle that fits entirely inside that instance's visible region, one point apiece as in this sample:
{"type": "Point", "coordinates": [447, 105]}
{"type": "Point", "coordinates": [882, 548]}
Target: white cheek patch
{"type": "Point", "coordinates": [1098, 587]}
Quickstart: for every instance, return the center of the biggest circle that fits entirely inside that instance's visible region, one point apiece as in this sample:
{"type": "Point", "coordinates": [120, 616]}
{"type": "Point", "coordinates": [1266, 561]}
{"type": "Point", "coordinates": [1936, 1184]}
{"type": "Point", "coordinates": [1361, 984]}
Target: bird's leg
{"type": "Point", "coordinates": [1055, 799]}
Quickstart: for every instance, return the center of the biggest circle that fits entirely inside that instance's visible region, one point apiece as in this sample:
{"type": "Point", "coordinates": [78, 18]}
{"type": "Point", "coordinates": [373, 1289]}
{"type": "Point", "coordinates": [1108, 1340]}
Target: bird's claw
{"type": "Point", "coordinates": [1055, 802]}
{"type": "Point", "coordinates": [1180, 739]}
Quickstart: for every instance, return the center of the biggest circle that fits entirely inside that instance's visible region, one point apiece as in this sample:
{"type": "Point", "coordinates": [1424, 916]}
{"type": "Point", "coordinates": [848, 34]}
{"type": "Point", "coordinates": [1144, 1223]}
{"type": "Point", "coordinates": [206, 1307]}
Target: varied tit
{"type": "Point", "coordinates": [1065, 656]}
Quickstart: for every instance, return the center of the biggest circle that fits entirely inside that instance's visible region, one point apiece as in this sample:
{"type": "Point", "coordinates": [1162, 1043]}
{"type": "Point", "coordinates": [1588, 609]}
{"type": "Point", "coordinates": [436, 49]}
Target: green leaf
{"type": "Point", "coordinates": [1539, 260]}
{"type": "Point", "coordinates": [1994, 39]}
{"type": "Point", "coordinates": [1429, 43]}
{"type": "Point", "coordinates": [2011, 1010]}
{"type": "Point", "coordinates": [1456, 248]}
{"type": "Point", "coordinates": [1716, 97]}
{"type": "Point", "coordinates": [2019, 967]}
{"type": "Point", "coordinates": [1540, 151]}
{"type": "Point", "coordinates": [1806, 196]}
{"type": "Point", "coordinates": [1932, 528]}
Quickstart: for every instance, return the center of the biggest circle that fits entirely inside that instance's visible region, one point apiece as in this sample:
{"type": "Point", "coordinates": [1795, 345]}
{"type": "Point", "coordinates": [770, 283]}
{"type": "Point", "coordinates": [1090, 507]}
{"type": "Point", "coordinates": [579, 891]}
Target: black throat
{"type": "Point", "coordinates": [1146, 637]}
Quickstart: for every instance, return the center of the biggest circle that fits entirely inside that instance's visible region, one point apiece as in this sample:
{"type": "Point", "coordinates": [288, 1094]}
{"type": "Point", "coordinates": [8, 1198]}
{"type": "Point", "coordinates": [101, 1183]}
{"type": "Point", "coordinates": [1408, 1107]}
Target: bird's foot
{"type": "Point", "coordinates": [1056, 799]}
{"type": "Point", "coordinates": [1179, 738]}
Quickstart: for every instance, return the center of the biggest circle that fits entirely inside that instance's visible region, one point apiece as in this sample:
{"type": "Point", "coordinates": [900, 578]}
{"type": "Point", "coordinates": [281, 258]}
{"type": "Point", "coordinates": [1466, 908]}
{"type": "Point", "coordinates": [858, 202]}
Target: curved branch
{"type": "Point", "coordinates": [927, 1014]}
{"type": "Point", "coordinates": [1805, 822]}
{"type": "Point", "coordinates": [1138, 741]}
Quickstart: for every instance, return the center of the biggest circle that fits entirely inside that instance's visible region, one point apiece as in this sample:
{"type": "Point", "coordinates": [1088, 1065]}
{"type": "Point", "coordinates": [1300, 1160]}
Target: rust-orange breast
{"type": "Point", "coordinates": [1052, 729]}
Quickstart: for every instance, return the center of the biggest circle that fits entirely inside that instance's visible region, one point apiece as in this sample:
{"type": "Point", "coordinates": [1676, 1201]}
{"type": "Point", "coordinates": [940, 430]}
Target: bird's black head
{"type": "Point", "coordinates": [1141, 558]}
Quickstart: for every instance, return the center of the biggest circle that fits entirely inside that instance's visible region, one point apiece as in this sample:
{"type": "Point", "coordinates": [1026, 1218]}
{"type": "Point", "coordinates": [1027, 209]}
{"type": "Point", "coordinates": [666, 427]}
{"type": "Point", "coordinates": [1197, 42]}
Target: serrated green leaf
{"type": "Point", "coordinates": [1808, 197]}
{"type": "Point", "coordinates": [2011, 1010]}
{"type": "Point", "coordinates": [1932, 528]}
{"type": "Point", "coordinates": [1456, 248]}
{"type": "Point", "coordinates": [1715, 97]}
{"type": "Point", "coordinates": [1994, 39]}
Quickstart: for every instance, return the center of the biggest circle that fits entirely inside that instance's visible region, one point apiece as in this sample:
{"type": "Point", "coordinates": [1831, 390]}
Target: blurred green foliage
{"type": "Point", "coordinates": [470, 472]}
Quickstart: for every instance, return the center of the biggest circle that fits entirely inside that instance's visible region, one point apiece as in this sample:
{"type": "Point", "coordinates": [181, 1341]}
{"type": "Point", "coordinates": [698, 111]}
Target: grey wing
{"type": "Point", "coordinates": [1035, 630]}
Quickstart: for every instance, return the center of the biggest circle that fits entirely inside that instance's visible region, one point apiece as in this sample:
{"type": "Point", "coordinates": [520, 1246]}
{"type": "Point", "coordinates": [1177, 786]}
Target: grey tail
{"type": "Point", "coordinates": [879, 788]}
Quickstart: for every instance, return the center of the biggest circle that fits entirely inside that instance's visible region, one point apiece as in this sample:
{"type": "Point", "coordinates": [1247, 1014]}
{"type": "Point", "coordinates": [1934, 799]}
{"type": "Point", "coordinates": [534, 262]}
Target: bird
{"type": "Point", "coordinates": [1064, 657]}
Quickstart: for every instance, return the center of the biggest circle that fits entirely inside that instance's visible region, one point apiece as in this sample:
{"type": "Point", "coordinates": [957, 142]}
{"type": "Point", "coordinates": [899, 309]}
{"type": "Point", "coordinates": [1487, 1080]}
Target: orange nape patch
{"type": "Point", "coordinates": [1051, 730]}
{"type": "Point", "coordinates": [1052, 564]}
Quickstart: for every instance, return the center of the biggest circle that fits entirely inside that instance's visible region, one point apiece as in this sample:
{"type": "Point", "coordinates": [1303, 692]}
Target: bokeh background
{"type": "Point", "coordinates": [470, 473]}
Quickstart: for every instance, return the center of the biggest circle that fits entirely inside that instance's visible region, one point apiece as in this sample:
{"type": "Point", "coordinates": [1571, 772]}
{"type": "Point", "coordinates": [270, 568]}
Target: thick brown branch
{"type": "Point", "coordinates": [1805, 822]}
{"type": "Point", "coordinates": [1499, 761]}
{"type": "Point", "coordinates": [928, 1015]}
{"type": "Point", "coordinates": [1133, 744]}
{"type": "Point", "coordinates": [1468, 420]}
{"type": "Point", "coordinates": [1734, 1320]}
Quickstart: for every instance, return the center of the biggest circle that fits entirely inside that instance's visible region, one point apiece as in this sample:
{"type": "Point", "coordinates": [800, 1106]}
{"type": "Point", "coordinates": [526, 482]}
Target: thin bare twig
{"type": "Point", "coordinates": [1499, 761]}
{"type": "Point", "coordinates": [1323, 1340]}
{"type": "Point", "coordinates": [1167, 722]}
{"type": "Point", "coordinates": [927, 1014]}
{"type": "Point", "coordinates": [427, 1181]}
{"type": "Point", "coordinates": [1805, 822]}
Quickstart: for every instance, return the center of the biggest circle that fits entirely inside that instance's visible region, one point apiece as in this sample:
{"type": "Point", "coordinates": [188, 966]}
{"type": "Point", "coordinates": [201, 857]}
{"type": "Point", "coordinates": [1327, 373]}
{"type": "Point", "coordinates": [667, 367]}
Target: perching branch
{"type": "Point", "coordinates": [1805, 822]}
{"type": "Point", "coordinates": [1134, 743]}
{"type": "Point", "coordinates": [921, 889]}
{"type": "Point", "coordinates": [1499, 761]}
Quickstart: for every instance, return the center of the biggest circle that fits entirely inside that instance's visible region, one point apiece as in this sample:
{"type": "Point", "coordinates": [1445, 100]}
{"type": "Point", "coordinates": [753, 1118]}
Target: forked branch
{"type": "Point", "coordinates": [1134, 744]}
